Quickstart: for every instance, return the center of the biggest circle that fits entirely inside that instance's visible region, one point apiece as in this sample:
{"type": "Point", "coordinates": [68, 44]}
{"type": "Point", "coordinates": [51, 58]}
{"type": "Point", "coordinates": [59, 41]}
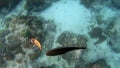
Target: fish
{"type": "Point", "coordinates": [36, 42]}
{"type": "Point", "coordinates": [62, 50]}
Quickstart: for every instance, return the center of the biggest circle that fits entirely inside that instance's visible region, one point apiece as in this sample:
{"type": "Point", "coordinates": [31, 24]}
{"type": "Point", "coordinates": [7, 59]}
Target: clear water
{"type": "Point", "coordinates": [60, 23]}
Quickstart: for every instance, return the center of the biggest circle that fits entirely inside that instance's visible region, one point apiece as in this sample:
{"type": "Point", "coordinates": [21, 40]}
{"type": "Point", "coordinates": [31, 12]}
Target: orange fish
{"type": "Point", "coordinates": [36, 42]}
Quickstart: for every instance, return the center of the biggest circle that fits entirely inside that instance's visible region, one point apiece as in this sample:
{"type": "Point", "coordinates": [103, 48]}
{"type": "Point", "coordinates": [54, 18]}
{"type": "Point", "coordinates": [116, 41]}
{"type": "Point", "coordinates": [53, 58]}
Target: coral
{"type": "Point", "coordinates": [95, 5]}
{"type": "Point", "coordinates": [18, 50]}
{"type": "Point", "coordinates": [9, 56]}
{"type": "Point", "coordinates": [3, 33]}
{"type": "Point", "coordinates": [1, 61]}
{"type": "Point", "coordinates": [87, 3]}
{"type": "Point", "coordinates": [19, 61]}
{"type": "Point", "coordinates": [70, 39]}
{"type": "Point", "coordinates": [26, 45]}
{"type": "Point", "coordinates": [81, 63]}
{"type": "Point", "coordinates": [38, 5]}
{"type": "Point", "coordinates": [33, 56]}
{"type": "Point", "coordinates": [15, 39]}
{"type": "Point", "coordinates": [97, 32]}
{"type": "Point", "coordinates": [7, 5]}
{"type": "Point", "coordinates": [99, 19]}
{"type": "Point", "coordinates": [116, 3]}
{"type": "Point", "coordinates": [99, 64]}
{"type": "Point", "coordinates": [26, 33]}
{"type": "Point", "coordinates": [67, 39]}
{"type": "Point", "coordinates": [114, 34]}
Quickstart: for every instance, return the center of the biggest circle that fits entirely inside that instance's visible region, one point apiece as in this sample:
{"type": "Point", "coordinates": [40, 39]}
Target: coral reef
{"type": "Point", "coordinates": [7, 5]}
{"type": "Point", "coordinates": [97, 32]}
{"type": "Point", "coordinates": [67, 39]}
{"type": "Point", "coordinates": [38, 5]}
{"type": "Point", "coordinates": [91, 3]}
{"type": "Point", "coordinates": [101, 63]}
{"type": "Point", "coordinates": [116, 3]}
{"type": "Point", "coordinates": [15, 45]}
{"type": "Point", "coordinates": [87, 3]}
{"type": "Point", "coordinates": [114, 34]}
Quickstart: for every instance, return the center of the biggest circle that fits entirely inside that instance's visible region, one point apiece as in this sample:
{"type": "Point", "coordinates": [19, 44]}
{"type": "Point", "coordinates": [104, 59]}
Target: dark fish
{"type": "Point", "coordinates": [62, 50]}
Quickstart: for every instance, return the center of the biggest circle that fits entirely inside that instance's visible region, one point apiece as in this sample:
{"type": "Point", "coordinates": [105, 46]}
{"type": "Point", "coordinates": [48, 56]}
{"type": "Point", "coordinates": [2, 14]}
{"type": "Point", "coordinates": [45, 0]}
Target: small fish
{"type": "Point", "coordinates": [36, 42]}
{"type": "Point", "coordinates": [62, 50]}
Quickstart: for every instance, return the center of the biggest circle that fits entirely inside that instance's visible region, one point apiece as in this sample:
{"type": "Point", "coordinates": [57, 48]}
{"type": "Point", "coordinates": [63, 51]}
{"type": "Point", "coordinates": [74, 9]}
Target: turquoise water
{"type": "Point", "coordinates": [59, 23]}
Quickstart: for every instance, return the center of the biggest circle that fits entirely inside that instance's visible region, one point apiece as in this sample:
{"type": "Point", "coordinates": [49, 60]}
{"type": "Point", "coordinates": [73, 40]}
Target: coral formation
{"type": "Point", "coordinates": [91, 3]}
{"type": "Point", "coordinates": [101, 63]}
{"type": "Point", "coordinates": [114, 34]}
{"type": "Point", "coordinates": [97, 32]}
{"type": "Point", "coordinates": [67, 39]}
{"type": "Point", "coordinates": [16, 38]}
{"type": "Point", "coordinates": [116, 3]}
{"type": "Point", "coordinates": [87, 3]}
{"type": "Point", "coordinates": [8, 5]}
{"type": "Point", "coordinates": [38, 5]}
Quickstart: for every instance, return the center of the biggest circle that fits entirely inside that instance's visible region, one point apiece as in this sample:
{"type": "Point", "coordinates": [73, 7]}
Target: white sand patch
{"type": "Point", "coordinates": [69, 15]}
